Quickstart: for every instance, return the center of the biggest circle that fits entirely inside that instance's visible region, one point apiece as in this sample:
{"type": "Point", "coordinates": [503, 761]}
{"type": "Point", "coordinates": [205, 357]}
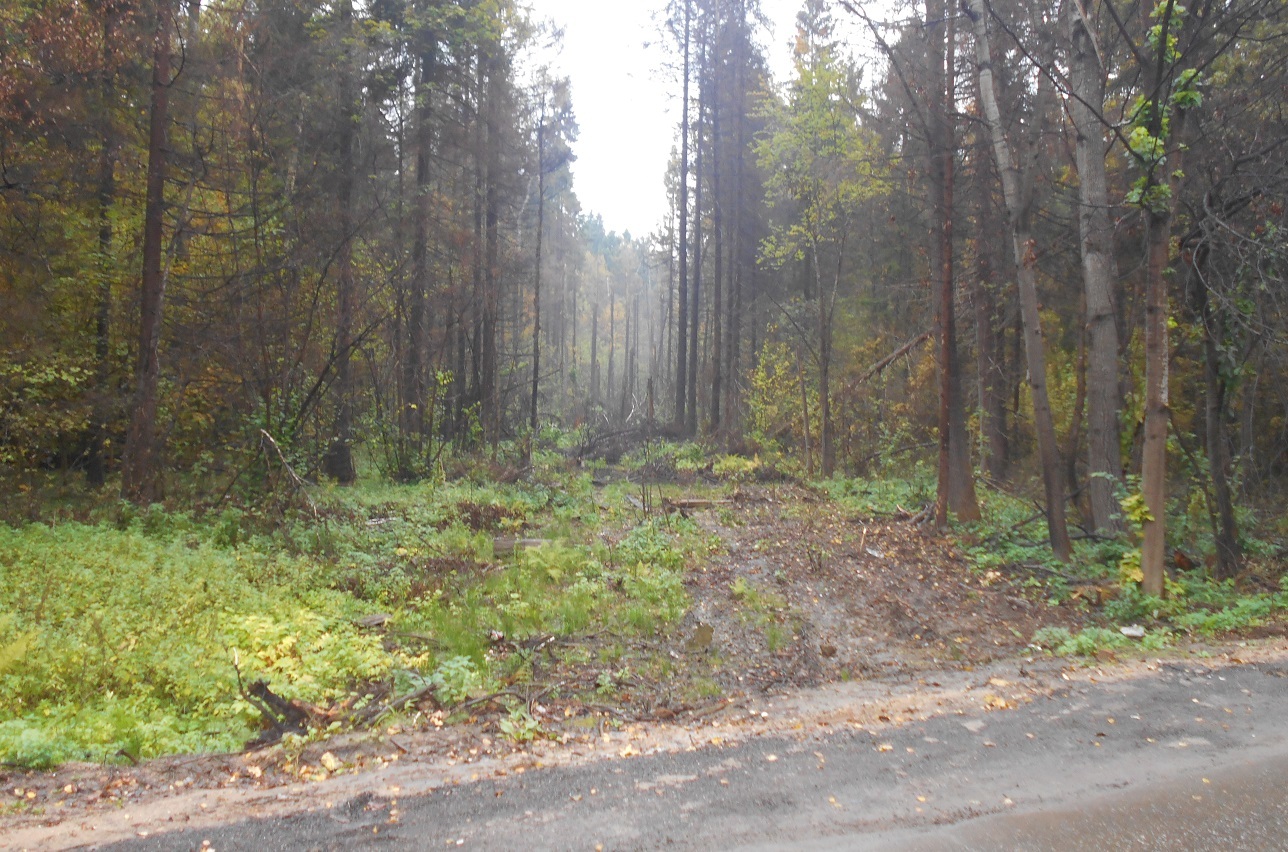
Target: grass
{"type": "Point", "coordinates": [124, 639]}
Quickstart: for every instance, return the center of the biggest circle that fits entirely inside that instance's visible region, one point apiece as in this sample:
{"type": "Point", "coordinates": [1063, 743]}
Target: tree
{"type": "Point", "coordinates": [924, 73]}
{"type": "Point", "coordinates": [956, 480]}
{"type": "Point", "coordinates": [139, 471]}
{"type": "Point", "coordinates": [682, 315]}
{"type": "Point", "coordinates": [339, 457]}
{"type": "Point", "coordinates": [1099, 271]}
{"type": "Point", "coordinates": [822, 166]}
{"type": "Point", "coordinates": [1018, 189]}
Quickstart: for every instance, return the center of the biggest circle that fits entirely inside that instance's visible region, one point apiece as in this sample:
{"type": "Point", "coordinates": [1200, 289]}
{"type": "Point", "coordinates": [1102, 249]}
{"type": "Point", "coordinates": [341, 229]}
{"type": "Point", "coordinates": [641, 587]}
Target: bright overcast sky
{"type": "Point", "coordinates": [627, 102]}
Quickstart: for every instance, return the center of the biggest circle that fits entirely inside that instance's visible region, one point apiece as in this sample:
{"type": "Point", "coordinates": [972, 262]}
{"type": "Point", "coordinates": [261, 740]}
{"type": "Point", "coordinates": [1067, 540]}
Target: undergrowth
{"type": "Point", "coordinates": [125, 639]}
{"type": "Point", "coordinates": [1011, 539]}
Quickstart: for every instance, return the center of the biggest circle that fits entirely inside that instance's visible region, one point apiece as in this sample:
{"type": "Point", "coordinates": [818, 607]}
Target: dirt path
{"type": "Point", "coordinates": [803, 594]}
{"type": "Point", "coordinates": [803, 619]}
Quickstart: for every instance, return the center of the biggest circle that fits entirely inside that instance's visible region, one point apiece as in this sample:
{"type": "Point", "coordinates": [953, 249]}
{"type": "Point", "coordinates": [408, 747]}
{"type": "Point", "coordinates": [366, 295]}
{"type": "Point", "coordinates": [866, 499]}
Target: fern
{"type": "Point", "coordinates": [14, 650]}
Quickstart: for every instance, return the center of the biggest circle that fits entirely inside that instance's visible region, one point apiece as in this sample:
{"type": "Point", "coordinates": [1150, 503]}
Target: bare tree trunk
{"type": "Point", "coordinates": [717, 293]}
{"type": "Point", "coordinates": [414, 390]}
{"type": "Point", "coordinates": [826, 306]}
{"type": "Point", "coordinates": [1158, 219]}
{"type": "Point", "coordinates": [96, 461]}
{"type": "Point", "coordinates": [989, 355]}
{"type": "Point", "coordinates": [1018, 190]}
{"type": "Point", "coordinates": [1157, 408]}
{"type": "Point", "coordinates": [138, 472]}
{"type": "Point", "coordinates": [536, 279]}
{"type": "Point", "coordinates": [681, 343]}
{"type": "Point", "coordinates": [612, 343]}
{"type": "Point", "coordinates": [1099, 277]}
{"type": "Point", "coordinates": [594, 355]}
{"type": "Point", "coordinates": [338, 462]}
{"type": "Point", "coordinates": [491, 408]}
{"type": "Point", "coordinates": [695, 292]}
{"type": "Point", "coordinates": [809, 459]}
{"type": "Point", "coordinates": [1225, 529]}
{"type": "Point", "coordinates": [956, 490]}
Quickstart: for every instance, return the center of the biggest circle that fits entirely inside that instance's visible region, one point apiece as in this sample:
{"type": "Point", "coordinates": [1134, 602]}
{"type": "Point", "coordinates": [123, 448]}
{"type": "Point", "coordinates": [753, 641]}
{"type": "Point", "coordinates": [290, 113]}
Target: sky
{"type": "Point", "coordinates": [627, 102]}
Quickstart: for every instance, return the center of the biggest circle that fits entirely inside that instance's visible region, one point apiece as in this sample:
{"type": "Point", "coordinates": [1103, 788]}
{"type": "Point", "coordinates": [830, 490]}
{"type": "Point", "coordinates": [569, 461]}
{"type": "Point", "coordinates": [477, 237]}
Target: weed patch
{"type": "Point", "coordinates": [126, 640]}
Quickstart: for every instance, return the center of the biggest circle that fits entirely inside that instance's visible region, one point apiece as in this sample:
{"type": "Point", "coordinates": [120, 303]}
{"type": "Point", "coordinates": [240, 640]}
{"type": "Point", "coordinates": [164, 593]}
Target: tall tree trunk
{"type": "Point", "coordinates": [1099, 277]}
{"type": "Point", "coordinates": [956, 492]}
{"type": "Point", "coordinates": [738, 263]}
{"type": "Point", "coordinates": [826, 307]}
{"type": "Point", "coordinates": [989, 354]}
{"type": "Point", "coordinates": [1225, 529]}
{"type": "Point", "coordinates": [1158, 236]}
{"type": "Point", "coordinates": [338, 462]}
{"type": "Point", "coordinates": [138, 472]}
{"type": "Point", "coordinates": [695, 291]}
{"type": "Point", "coordinates": [1157, 408]}
{"type": "Point", "coordinates": [594, 358]}
{"type": "Point", "coordinates": [717, 294]}
{"type": "Point", "coordinates": [96, 460]}
{"type": "Point", "coordinates": [612, 343]}
{"type": "Point", "coordinates": [412, 416]}
{"type": "Point", "coordinates": [536, 278]}
{"type": "Point", "coordinates": [489, 355]}
{"type": "Point", "coordinates": [1018, 190]}
{"type": "Point", "coordinates": [682, 321]}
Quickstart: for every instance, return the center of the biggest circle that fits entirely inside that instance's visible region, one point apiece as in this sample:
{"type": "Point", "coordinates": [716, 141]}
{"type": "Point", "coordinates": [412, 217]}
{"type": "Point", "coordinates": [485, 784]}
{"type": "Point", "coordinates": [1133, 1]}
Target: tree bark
{"type": "Point", "coordinates": [1018, 190]}
{"type": "Point", "coordinates": [988, 348]}
{"type": "Point", "coordinates": [96, 460]}
{"type": "Point", "coordinates": [139, 473]}
{"type": "Point", "coordinates": [414, 390]}
{"type": "Point", "coordinates": [1225, 529]}
{"type": "Point", "coordinates": [682, 321]}
{"type": "Point", "coordinates": [1099, 278]}
{"type": "Point", "coordinates": [956, 491]}
{"type": "Point", "coordinates": [1158, 218]}
{"type": "Point", "coordinates": [490, 397]}
{"type": "Point", "coordinates": [338, 462]}
{"type": "Point", "coordinates": [717, 292]}
{"type": "Point", "coordinates": [536, 278]}
{"type": "Point", "coordinates": [695, 291]}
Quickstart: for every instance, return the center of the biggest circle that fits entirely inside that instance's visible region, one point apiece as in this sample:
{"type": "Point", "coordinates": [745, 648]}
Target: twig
{"type": "Point", "coordinates": [300, 484]}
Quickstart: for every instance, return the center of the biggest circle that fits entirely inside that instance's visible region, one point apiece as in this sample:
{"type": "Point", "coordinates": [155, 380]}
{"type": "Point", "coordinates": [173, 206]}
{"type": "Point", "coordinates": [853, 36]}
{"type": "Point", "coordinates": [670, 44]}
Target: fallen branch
{"type": "Point", "coordinates": [880, 366]}
{"type": "Point", "coordinates": [300, 484]}
{"type": "Point", "coordinates": [692, 504]}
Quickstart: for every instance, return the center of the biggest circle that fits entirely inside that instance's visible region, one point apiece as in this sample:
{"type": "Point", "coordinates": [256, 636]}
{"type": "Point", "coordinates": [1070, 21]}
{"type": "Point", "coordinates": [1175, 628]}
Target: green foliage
{"type": "Point", "coordinates": [817, 157]}
{"type": "Point", "coordinates": [133, 640]}
{"type": "Point", "coordinates": [736, 468]}
{"type": "Point", "coordinates": [43, 406]}
{"type": "Point", "coordinates": [883, 496]}
{"type": "Point", "coordinates": [1093, 640]}
{"type": "Point", "coordinates": [775, 419]}
{"type": "Point", "coordinates": [1151, 115]}
{"type": "Point", "coordinates": [127, 638]}
{"type": "Point", "coordinates": [12, 648]}
{"type": "Point", "coordinates": [455, 679]}
{"type": "Point", "coordinates": [520, 726]}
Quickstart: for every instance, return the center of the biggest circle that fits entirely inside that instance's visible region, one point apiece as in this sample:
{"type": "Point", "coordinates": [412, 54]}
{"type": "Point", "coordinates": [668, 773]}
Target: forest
{"type": "Point", "coordinates": [302, 323]}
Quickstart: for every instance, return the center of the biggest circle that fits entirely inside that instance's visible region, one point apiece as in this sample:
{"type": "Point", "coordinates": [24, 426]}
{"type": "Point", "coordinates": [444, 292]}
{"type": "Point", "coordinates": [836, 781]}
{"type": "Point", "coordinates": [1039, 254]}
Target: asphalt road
{"type": "Point", "coordinates": [1184, 758]}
